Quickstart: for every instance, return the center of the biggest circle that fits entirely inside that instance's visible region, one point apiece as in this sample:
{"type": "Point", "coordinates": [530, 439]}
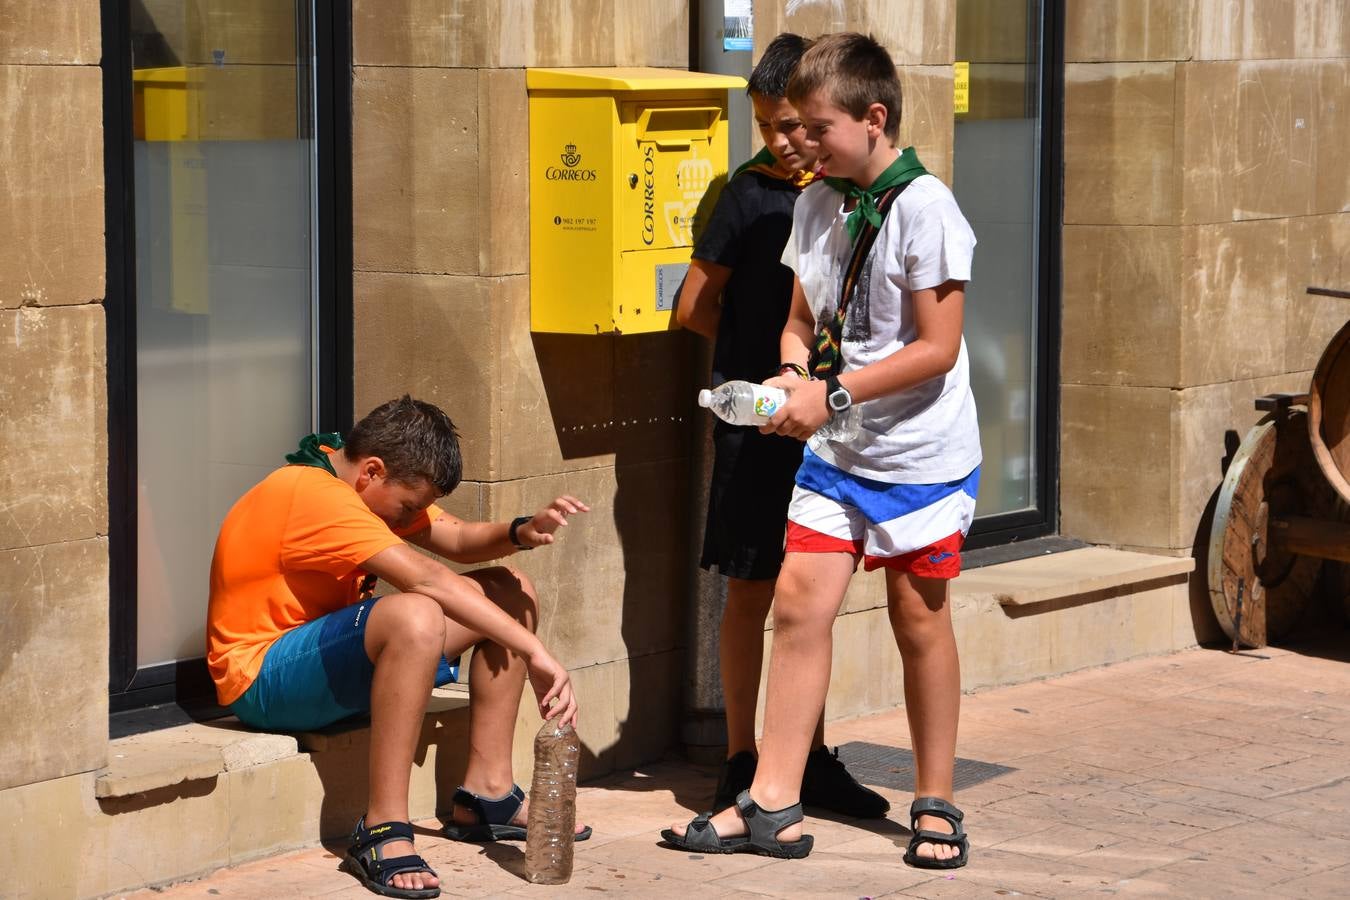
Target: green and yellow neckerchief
{"type": "Point", "coordinates": [764, 163]}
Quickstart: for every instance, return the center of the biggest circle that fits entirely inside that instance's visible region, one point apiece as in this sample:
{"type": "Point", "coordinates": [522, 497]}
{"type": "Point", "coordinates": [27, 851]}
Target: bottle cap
{"type": "Point", "coordinates": [705, 398]}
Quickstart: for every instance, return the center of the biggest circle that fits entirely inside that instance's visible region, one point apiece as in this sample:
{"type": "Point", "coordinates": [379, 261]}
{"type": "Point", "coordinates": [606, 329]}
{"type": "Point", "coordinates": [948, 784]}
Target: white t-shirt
{"type": "Point", "coordinates": [929, 433]}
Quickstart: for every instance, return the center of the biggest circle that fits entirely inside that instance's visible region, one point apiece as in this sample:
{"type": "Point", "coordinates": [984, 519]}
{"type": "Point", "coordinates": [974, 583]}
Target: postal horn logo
{"type": "Point", "coordinates": [570, 159]}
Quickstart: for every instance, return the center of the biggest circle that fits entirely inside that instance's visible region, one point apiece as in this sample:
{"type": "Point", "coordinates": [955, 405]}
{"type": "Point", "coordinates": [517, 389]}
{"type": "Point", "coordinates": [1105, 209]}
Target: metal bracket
{"type": "Point", "coordinates": [1279, 403]}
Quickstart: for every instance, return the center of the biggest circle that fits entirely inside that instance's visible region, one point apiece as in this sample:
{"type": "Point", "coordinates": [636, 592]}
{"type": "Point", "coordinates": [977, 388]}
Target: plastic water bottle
{"type": "Point", "coordinates": [746, 403]}
{"type": "Point", "coordinates": [551, 830]}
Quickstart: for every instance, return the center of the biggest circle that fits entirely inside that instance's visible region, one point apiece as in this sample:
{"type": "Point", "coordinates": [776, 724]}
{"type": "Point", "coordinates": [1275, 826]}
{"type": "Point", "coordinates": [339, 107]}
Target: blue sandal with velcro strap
{"type": "Point", "coordinates": [936, 806]}
{"type": "Point", "coordinates": [493, 818]}
{"type": "Point", "coordinates": [376, 872]}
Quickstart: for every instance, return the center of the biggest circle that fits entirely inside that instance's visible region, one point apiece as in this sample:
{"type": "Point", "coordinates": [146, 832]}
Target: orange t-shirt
{"type": "Point", "coordinates": [289, 551]}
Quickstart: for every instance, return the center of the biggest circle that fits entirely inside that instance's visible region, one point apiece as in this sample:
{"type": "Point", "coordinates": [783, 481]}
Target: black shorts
{"type": "Point", "coordinates": [748, 498]}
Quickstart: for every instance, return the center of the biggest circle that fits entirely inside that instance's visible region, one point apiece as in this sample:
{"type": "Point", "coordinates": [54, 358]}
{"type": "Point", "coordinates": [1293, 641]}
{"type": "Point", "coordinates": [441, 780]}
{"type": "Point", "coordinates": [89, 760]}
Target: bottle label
{"type": "Point", "coordinates": [767, 401]}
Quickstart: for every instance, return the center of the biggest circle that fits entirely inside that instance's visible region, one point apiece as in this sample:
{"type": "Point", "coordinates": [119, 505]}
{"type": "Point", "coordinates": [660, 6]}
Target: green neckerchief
{"type": "Point", "coordinates": [309, 453]}
{"type": "Point", "coordinates": [905, 168]}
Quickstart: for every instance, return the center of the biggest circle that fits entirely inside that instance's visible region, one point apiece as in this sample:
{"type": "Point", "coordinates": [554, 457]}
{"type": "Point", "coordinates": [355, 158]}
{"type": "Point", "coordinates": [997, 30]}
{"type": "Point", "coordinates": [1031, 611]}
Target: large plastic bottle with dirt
{"type": "Point", "coordinates": [551, 830]}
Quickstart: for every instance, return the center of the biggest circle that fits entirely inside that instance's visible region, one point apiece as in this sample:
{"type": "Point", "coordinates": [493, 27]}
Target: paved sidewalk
{"type": "Point", "coordinates": [1201, 774]}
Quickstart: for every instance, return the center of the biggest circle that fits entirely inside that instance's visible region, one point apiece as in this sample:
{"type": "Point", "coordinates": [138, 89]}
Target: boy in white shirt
{"type": "Point", "coordinates": [881, 330]}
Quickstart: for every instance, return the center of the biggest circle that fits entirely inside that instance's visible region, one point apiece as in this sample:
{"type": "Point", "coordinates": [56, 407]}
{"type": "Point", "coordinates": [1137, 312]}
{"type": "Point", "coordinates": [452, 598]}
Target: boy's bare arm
{"type": "Point", "coordinates": [799, 332]}
{"type": "Point", "coordinates": [461, 599]}
{"type": "Point", "coordinates": [939, 314]}
{"type": "Point", "coordinates": [471, 542]}
{"type": "Point", "coordinates": [699, 307]}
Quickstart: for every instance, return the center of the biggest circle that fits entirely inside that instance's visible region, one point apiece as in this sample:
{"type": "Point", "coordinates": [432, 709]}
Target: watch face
{"type": "Point", "coordinates": [840, 400]}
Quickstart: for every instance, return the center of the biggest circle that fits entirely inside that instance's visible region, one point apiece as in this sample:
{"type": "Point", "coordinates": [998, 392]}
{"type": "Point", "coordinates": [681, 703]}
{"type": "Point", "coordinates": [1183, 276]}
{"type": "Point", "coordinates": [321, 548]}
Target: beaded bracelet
{"type": "Point", "coordinates": [795, 368]}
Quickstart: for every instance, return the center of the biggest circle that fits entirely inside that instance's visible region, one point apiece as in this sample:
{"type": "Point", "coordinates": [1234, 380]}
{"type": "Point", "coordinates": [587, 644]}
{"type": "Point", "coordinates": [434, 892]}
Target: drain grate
{"type": "Point", "coordinates": [893, 767]}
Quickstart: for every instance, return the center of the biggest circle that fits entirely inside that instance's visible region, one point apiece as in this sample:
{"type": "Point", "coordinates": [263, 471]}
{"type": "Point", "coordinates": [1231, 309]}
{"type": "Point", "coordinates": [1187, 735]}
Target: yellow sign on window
{"type": "Point", "coordinates": [961, 86]}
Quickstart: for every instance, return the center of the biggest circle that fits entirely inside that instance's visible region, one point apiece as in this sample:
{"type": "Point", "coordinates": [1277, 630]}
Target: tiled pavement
{"type": "Point", "coordinates": [1201, 774]}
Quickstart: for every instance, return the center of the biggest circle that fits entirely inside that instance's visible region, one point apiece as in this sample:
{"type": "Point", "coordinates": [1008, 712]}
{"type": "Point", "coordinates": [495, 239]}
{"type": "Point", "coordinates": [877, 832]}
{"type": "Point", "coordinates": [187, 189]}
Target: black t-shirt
{"type": "Point", "coordinates": [747, 232]}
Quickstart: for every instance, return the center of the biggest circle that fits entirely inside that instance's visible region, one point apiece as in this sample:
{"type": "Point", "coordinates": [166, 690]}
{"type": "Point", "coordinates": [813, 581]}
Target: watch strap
{"type": "Point", "coordinates": [513, 534]}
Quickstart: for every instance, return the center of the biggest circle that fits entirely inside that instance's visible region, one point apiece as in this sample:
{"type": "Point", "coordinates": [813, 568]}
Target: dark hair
{"type": "Point", "coordinates": [771, 73]}
{"type": "Point", "coordinates": [854, 71]}
{"type": "Point", "coordinates": [416, 441]}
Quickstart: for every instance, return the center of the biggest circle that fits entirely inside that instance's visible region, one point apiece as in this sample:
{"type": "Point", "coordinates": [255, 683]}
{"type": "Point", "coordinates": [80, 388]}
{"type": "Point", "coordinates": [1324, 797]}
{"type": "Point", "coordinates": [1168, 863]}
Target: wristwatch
{"type": "Point", "coordinates": [837, 397]}
{"type": "Point", "coordinates": [513, 534]}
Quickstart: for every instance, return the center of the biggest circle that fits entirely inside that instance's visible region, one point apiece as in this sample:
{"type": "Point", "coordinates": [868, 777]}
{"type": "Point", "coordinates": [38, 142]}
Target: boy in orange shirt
{"type": "Point", "coordinates": [296, 639]}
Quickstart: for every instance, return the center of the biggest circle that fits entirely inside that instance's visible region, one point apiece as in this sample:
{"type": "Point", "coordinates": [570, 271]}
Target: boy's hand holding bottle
{"type": "Point", "coordinates": [785, 405]}
{"type": "Point", "coordinates": [805, 411]}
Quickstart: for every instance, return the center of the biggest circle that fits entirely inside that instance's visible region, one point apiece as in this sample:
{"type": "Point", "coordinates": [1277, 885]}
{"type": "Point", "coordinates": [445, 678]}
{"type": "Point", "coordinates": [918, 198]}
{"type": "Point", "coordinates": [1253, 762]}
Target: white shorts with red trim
{"type": "Point", "coordinates": [916, 528]}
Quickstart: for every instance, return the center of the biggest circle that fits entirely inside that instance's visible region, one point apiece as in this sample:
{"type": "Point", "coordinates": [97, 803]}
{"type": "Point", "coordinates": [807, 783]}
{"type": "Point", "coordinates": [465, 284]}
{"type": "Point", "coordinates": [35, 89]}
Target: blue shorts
{"type": "Point", "coordinates": [317, 674]}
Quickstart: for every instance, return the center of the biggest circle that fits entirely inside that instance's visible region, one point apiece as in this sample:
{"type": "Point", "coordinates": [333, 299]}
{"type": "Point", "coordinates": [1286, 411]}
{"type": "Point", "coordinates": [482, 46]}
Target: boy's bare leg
{"type": "Point", "coordinates": [809, 591]}
{"type": "Point", "coordinates": [741, 653]}
{"type": "Point", "coordinates": [922, 621]}
{"type": "Point", "coordinates": [496, 680]}
{"type": "Point", "coordinates": [404, 638]}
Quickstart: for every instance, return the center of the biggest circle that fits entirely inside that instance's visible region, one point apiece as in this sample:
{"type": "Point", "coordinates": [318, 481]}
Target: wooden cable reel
{"type": "Point", "coordinates": [1266, 482]}
{"type": "Point", "coordinates": [1329, 412]}
{"type": "Point", "coordinates": [1329, 433]}
{"type": "Point", "coordinates": [1282, 508]}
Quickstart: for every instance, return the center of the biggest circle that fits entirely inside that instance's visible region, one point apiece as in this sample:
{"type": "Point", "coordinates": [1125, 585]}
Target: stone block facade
{"type": "Point", "coordinates": [1206, 186]}
{"type": "Point", "coordinates": [53, 492]}
{"type": "Point", "coordinates": [1205, 178]}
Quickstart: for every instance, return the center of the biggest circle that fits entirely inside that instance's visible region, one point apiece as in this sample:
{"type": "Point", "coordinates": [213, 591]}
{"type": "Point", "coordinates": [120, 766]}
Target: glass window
{"type": "Point", "coordinates": [997, 181]}
{"type": "Point", "coordinates": [225, 268]}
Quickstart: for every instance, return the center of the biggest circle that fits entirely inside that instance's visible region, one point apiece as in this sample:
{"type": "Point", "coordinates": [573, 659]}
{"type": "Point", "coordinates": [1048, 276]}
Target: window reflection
{"type": "Point", "coordinates": [223, 209]}
{"type": "Point", "coordinates": [996, 164]}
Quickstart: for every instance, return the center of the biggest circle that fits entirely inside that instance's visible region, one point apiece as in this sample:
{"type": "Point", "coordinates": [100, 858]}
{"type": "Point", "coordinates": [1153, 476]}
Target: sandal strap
{"type": "Point", "coordinates": [936, 806]}
{"type": "Point", "coordinates": [491, 810]}
{"type": "Point", "coordinates": [937, 837]}
{"type": "Point", "coordinates": [384, 869]}
{"type": "Point", "coordinates": [372, 838]}
{"type": "Point", "coordinates": [764, 824]}
{"type": "Point", "coordinates": [700, 834]}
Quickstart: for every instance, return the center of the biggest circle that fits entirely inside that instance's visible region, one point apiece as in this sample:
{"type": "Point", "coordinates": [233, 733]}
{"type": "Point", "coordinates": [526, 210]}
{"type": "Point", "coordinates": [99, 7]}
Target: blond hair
{"type": "Point", "coordinates": [854, 71]}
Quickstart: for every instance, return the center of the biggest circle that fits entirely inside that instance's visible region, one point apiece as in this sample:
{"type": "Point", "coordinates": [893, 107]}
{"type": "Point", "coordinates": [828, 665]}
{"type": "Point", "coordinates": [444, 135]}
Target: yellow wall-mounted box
{"type": "Point", "coordinates": [620, 163]}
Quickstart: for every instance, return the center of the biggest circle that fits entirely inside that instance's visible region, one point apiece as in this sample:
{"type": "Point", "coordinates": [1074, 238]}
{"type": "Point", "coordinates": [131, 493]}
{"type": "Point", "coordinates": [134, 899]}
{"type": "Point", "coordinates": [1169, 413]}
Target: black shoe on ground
{"type": "Point", "coordinates": [827, 785]}
{"type": "Point", "coordinates": [736, 776]}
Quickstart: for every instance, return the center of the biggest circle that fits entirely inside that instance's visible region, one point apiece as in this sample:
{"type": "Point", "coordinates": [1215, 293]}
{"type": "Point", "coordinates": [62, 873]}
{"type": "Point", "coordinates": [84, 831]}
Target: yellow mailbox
{"type": "Point", "coordinates": [620, 161]}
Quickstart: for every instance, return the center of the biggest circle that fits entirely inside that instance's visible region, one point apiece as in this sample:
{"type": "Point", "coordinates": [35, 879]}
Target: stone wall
{"type": "Point", "coordinates": [440, 199]}
{"type": "Point", "coordinates": [1206, 186]}
{"type": "Point", "coordinates": [53, 488]}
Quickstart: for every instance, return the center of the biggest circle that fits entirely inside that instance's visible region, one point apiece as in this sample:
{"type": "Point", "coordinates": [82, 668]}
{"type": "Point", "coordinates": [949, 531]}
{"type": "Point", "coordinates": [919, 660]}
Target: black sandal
{"type": "Point", "coordinates": [764, 825]}
{"type": "Point", "coordinates": [494, 815]}
{"type": "Point", "coordinates": [365, 862]}
{"type": "Point", "coordinates": [935, 806]}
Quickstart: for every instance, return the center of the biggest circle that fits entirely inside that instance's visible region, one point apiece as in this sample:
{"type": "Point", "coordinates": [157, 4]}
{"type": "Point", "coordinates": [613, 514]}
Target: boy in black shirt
{"type": "Point", "coordinates": [738, 293]}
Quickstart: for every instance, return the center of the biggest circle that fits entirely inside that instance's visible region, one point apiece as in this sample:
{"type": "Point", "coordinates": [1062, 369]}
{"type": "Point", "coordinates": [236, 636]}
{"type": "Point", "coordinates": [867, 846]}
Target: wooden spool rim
{"type": "Point", "coordinates": [1262, 431]}
{"type": "Point", "coordinates": [1325, 365]}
